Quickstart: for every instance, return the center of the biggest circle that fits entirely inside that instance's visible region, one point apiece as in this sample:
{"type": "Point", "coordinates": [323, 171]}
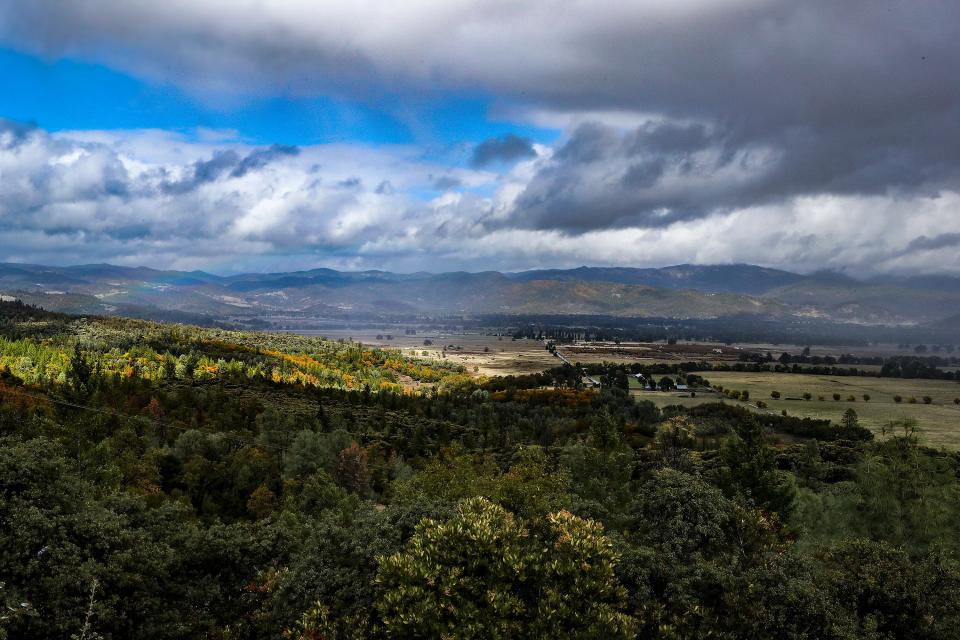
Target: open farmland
{"type": "Point", "coordinates": [939, 421]}
{"type": "Point", "coordinates": [489, 355]}
{"type": "Point", "coordinates": [481, 353]}
{"type": "Point", "coordinates": [502, 355]}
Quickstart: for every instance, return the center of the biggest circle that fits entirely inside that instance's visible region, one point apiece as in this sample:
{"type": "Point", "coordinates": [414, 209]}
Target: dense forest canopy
{"type": "Point", "coordinates": [168, 481]}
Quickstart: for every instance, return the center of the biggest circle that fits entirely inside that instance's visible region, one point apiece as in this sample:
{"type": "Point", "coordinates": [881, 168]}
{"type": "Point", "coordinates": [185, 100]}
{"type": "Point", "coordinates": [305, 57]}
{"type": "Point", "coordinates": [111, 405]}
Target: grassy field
{"type": "Point", "coordinates": [493, 355]}
{"type": "Point", "coordinates": [939, 422]}
{"type": "Point", "coordinates": [488, 354]}
{"type": "Point", "coordinates": [483, 354]}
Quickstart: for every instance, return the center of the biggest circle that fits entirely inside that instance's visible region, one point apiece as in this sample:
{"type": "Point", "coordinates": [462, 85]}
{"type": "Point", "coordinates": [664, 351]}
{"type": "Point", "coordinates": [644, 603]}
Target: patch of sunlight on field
{"type": "Point", "coordinates": [939, 422]}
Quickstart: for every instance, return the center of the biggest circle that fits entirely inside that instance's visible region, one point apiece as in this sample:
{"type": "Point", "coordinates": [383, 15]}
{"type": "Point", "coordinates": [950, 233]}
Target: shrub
{"type": "Point", "coordinates": [775, 395]}
{"type": "Point", "coordinates": [927, 400]}
{"type": "Point", "coordinates": [808, 396]}
{"type": "Point", "coordinates": [956, 401]}
{"type": "Point", "coordinates": [822, 430]}
{"type": "Point", "coordinates": [851, 398]}
{"type": "Point", "coordinates": [761, 404]}
{"type": "Point", "coordinates": [898, 399]}
{"type": "Point", "coordinates": [912, 400]}
{"type": "Point", "coordinates": [866, 397]}
{"type": "Point", "coordinates": [849, 419]}
{"type": "Point", "coordinates": [836, 397]}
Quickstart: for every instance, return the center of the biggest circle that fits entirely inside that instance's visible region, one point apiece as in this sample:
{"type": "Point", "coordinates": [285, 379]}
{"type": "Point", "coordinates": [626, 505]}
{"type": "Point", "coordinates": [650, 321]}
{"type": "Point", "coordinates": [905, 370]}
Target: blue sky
{"type": "Point", "coordinates": [238, 135]}
{"type": "Point", "coordinates": [67, 94]}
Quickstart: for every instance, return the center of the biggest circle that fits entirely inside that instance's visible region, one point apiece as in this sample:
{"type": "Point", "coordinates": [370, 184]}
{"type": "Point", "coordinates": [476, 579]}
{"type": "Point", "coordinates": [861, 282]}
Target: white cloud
{"type": "Point", "coordinates": [120, 197]}
{"type": "Point", "coordinates": [142, 196]}
{"type": "Point", "coordinates": [830, 136]}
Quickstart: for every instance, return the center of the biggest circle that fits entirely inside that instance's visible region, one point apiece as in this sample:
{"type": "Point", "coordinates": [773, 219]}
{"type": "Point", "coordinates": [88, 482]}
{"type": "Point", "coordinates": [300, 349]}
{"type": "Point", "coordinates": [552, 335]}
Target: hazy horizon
{"type": "Point", "coordinates": [227, 273]}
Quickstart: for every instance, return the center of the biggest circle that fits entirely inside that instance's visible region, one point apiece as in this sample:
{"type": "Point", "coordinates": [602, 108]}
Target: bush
{"type": "Point", "coordinates": [956, 401]}
{"type": "Point", "coordinates": [927, 400]}
{"type": "Point", "coordinates": [822, 430]}
{"type": "Point", "coordinates": [836, 397]}
{"type": "Point", "coordinates": [866, 397]}
{"type": "Point", "coordinates": [775, 395]}
{"type": "Point", "coordinates": [898, 399]}
{"type": "Point", "coordinates": [912, 400]}
{"type": "Point", "coordinates": [851, 398]}
{"type": "Point", "coordinates": [808, 396]}
{"type": "Point", "coordinates": [761, 404]}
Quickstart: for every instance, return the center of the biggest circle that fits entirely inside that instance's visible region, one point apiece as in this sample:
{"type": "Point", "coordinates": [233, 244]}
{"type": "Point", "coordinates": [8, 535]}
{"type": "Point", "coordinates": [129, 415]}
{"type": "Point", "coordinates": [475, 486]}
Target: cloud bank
{"type": "Point", "coordinates": [800, 135]}
{"type": "Point", "coordinates": [159, 199]}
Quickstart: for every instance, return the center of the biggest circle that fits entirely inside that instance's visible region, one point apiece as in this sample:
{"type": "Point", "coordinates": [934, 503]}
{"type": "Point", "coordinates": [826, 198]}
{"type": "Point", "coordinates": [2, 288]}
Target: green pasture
{"type": "Point", "coordinates": [939, 421]}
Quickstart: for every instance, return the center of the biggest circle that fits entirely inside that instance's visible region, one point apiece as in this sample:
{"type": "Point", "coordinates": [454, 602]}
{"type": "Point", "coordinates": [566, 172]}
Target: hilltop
{"type": "Point", "coordinates": [682, 291]}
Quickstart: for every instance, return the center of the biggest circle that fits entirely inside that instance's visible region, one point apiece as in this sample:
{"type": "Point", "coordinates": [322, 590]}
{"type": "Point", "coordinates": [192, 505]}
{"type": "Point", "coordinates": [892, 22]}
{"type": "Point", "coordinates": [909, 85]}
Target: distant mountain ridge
{"type": "Point", "coordinates": [742, 279]}
{"type": "Point", "coordinates": [679, 291]}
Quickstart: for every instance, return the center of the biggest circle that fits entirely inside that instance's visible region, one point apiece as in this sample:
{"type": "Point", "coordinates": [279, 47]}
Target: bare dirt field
{"type": "Point", "coordinates": [483, 354]}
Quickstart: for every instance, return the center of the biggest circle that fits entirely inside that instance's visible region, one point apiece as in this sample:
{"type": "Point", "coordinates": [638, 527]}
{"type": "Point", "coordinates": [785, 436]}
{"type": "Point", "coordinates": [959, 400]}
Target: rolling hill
{"type": "Point", "coordinates": [682, 291]}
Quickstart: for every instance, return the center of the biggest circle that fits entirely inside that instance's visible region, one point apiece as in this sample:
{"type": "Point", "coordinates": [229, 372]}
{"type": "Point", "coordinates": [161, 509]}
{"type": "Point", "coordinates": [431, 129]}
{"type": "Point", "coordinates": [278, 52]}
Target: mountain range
{"type": "Point", "coordinates": [681, 291]}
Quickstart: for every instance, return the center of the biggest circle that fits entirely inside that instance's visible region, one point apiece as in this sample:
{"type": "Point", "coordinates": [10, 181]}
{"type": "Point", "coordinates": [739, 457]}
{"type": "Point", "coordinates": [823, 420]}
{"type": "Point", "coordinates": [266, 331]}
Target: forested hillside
{"type": "Point", "coordinates": [683, 291]}
{"type": "Point", "coordinates": [168, 481]}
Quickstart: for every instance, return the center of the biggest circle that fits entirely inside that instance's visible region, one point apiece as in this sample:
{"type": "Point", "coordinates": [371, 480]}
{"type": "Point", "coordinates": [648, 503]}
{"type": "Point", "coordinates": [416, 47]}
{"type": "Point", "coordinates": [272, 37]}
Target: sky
{"type": "Point", "coordinates": [243, 135]}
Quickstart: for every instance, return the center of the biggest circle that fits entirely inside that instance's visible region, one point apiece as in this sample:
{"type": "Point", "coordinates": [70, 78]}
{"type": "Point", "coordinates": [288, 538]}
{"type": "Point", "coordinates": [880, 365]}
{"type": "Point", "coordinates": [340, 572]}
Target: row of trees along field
{"type": "Point", "coordinates": [260, 506]}
{"type": "Point", "coordinates": [906, 367]}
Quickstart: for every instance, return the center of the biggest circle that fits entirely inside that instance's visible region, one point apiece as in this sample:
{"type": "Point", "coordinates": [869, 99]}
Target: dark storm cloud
{"type": "Point", "coordinates": [644, 174]}
{"type": "Point", "coordinates": [507, 148]}
{"type": "Point", "coordinates": [687, 110]}
{"type": "Point", "coordinates": [262, 157]}
{"type": "Point", "coordinates": [655, 175]}
{"type": "Point", "coordinates": [228, 163]}
{"type": "Point", "coordinates": [651, 176]}
{"type": "Point", "coordinates": [205, 171]}
{"type": "Point", "coordinates": [445, 183]}
{"type": "Point", "coordinates": [942, 241]}
{"type": "Point", "coordinates": [352, 182]}
{"type": "Point", "coordinates": [817, 97]}
{"type": "Point", "coordinates": [667, 138]}
{"type": "Point", "coordinates": [849, 98]}
{"type": "Point", "coordinates": [590, 142]}
{"type": "Point", "coordinates": [131, 232]}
